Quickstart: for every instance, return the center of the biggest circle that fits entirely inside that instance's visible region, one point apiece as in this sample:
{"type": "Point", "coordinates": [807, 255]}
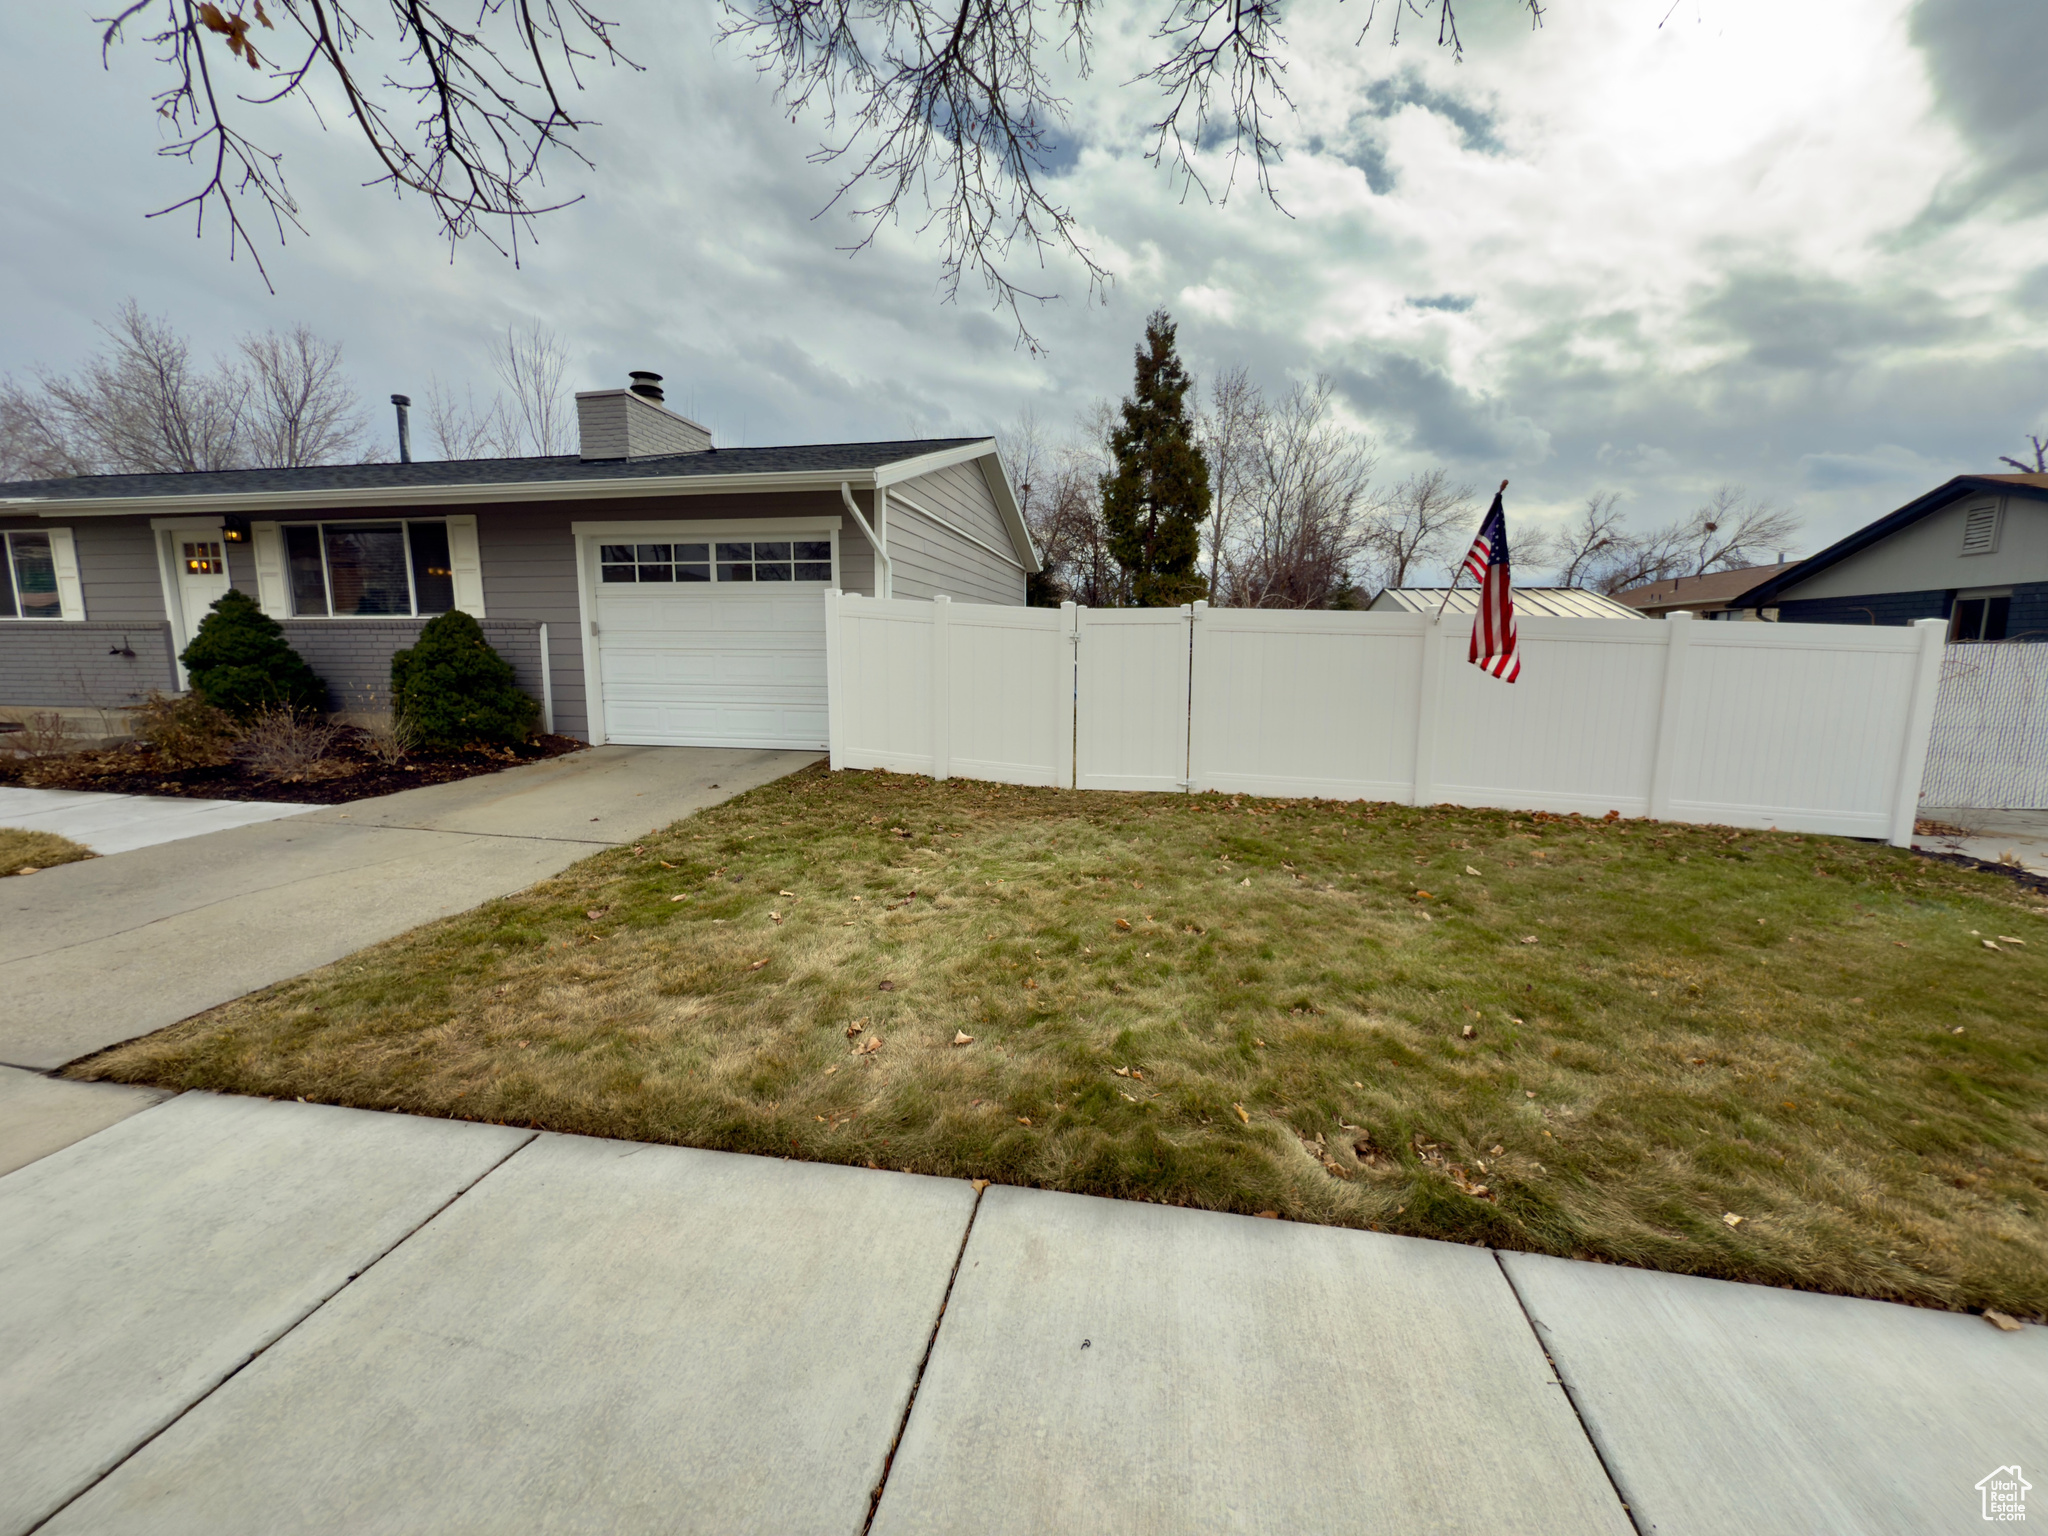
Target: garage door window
{"type": "Point", "coordinates": [778, 561]}
{"type": "Point", "coordinates": [654, 562]}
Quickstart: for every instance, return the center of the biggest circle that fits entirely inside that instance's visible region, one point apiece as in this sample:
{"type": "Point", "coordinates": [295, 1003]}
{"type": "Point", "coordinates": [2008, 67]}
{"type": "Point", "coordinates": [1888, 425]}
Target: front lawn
{"type": "Point", "coordinates": [23, 852]}
{"type": "Point", "coordinates": [1804, 1061]}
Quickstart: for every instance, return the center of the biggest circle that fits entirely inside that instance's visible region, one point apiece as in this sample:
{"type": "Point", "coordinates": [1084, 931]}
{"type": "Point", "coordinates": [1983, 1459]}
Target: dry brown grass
{"type": "Point", "coordinates": [1252, 1005]}
{"type": "Point", "coordinates": [26, 853]}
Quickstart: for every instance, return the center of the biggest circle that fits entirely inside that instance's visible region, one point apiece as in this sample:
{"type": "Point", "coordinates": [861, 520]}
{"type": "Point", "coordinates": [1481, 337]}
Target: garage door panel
{"type": "Point", "coordinates": [711, 666]}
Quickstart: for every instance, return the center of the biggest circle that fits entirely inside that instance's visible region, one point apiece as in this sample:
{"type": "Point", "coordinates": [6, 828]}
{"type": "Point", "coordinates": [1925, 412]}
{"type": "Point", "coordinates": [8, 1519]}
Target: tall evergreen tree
{"type": "Point", "coordinates": [1156, 493]}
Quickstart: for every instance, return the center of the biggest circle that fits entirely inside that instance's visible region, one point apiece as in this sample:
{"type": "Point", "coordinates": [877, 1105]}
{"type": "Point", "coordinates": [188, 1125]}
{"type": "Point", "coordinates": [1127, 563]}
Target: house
{"type": "Point", "coordinates": [650, 588]}
{"type": "Point", "coordinates": [1549, 602]}
{"type": "Point", "coordinates": [1973, 551]}
{"type": "Point", "coordinates": [1712, 596]}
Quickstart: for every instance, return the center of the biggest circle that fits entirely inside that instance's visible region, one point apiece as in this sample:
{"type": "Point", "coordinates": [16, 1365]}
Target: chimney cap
{"type": "Point", "coordinates": [646, 385]}
{"type": "Point", "coordinates": [401, 399]}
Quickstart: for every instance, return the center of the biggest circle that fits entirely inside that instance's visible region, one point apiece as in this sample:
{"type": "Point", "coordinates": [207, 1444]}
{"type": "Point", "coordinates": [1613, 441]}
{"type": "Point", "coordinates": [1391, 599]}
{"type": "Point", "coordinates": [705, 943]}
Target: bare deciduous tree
{"type": "Point", "coordinates": [531, 365]}
{"type": "Point", "coordinates": [1059, 491]}
{"type": "Point", "coordinates": [144, 405]}
{"type": "Point", "coordinates": [1583, 551]}
{"type": "Point", "coordinates": [951, 105]}
{"type": "Point", "coordinates": [458, 105]}
{"type": "Point", "coordinates": [1232, 432]}
{"type": "Point", "coordinates": [301, 408]}
{"type": "Point", "coordinates": [1417, 526]}
{"type": "Point", "coordinates": [1727, 532]}
{"type": "Point", "coordinates": [1309, 524]}
{"type": "Point", "coordinates": [461, 430]}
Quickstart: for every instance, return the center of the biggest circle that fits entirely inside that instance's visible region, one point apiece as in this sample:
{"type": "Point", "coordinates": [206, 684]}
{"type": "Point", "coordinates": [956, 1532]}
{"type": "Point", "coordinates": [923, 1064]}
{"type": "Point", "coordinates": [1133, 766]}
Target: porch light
{"type": "Point", "coordinates": [234, 530]}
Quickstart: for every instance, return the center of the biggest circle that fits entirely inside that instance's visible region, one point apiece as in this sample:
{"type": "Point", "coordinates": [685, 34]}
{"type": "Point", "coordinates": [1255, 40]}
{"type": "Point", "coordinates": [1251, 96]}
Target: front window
{"type": "Point", "coordinates": [28, 578]}
{"type": "Point", "coordinates": [369, 570]}
{"type": "Point", "coordinates": [726, 561]}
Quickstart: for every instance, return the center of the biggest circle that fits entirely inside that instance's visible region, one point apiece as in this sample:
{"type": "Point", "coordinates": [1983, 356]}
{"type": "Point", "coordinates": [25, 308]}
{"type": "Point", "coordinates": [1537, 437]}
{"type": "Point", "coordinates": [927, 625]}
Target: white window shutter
{"type": "Point", "coordinates": [465, 565]}
{"type": "Point", "coordinates": [70, 591]}
{"type": "Point", "coordinates": [273, 592]}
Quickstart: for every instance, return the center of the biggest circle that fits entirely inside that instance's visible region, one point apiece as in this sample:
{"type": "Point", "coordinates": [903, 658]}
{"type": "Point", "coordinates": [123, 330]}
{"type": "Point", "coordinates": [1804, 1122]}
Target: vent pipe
{"type": "Point", "coordinates": [646, 385]}
{"type": "Point", "coordinates": [404, 428]}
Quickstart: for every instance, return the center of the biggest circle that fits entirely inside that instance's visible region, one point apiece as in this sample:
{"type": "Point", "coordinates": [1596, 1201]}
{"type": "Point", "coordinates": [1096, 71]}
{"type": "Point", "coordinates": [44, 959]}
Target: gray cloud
{"type": "Point", "coordinates": [1362, 144]}
{"type": "Point", "coordinates": [1453, 303]}
{"type": "Point", "coordinates": [1984, 60]}
{"type": "Point", "coordinates": [1804, 320]}
{"type": "Point", "coordinates": [1438, 416]}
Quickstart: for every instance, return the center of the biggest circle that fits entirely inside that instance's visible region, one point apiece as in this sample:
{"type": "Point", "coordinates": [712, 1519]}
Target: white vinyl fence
{"type": "Point", "coordinates": [1807, 727]}
{"type": "Point", "coordinates": [1989, 749]}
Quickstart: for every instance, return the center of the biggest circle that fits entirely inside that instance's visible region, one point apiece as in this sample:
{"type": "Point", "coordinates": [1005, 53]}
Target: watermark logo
{"type": "Point", "coordinates": [2005, 1495]}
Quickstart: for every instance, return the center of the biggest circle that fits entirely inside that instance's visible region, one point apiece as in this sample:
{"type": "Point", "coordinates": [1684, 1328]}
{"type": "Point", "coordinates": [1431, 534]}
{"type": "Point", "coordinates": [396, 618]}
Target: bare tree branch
{"type": "Point", "coordinates": [2040, 464]}
{"type": "Point", "coordinates": [301, 409]}
{"type": "Point", "coordinates": [486, 97]}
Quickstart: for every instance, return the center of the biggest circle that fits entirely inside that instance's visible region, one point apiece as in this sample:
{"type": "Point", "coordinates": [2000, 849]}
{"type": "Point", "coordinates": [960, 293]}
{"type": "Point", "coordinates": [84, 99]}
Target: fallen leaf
{"type": "Point", "coordinates": [1470, 870]}
{"type": "Point", "coordinates": [830, 1070]}
{"type": "Point", "coordinates": [1245, 881]}
{"type": "Point", "coordinates": [684, 897]}
{"type": "Point", "coordinates": [2001, 1322]}
{"type": "Point", "coordinates": [886, 986]}
{"type": "Point", "coordinates": [1529, 939]}
{"type": "Point", "coordinates": [1258, 1042]}
{"type": "Point", "coordinates": [1030, 985]}
{"type": "Point", "coordinates": [596, 912]}
{"type": "Point", "coordinates": [1513, 1020]}
{"type": "Point", "coordinates": [785, 893]}
{"type": "Point", "coordinates": [1137, 1074]}
{"type": "Point", "coordinates": [980, 1185]}
{"type": "Point", "coordinates": [1424, 896]}
{"type": "Point", "coordinates": [1123, 1071]}
{"type": "Point", "coordinates": [757, 965]}
{"type": "Point", "coordinates": [29, 869]}
{"type": "Point", "coordinates": [1247, 1119]}
{"type": "Point", "coordinates": [1987, 943]}
{"type": "Point", "coordinates": [2006, 938]}
{"type": "Point", "coordinates": [777, 916]}
{"type": "Point", "coordinates": [1526, 1093]}
{"type": "Point", "coordinates": [1123, 924]}
{"type": "Point", "coordinates": [1790, 1105]}
{"type": "Point", "coordinates": [1957, 1030]}
{"type": "Point", "coordinates": [1496, 1152]}
{"type": "Point", "coordinates": [1731, 1218]}
{"type": "Point", "coordinates": [963, 1038]}
{"type": "Point", "coordinates": [874, 1044]}
{"type": "Point", "coordinates": [855, 1027]}
{"type": "Point", "coordinates": [664, 863]}
{"type": "Point", "coordinates": [1023, 1119]}
{"type": "Point", "coordinates": [1267, 1215]}
{"type": "Point", "coordinates": [1468, 1031]}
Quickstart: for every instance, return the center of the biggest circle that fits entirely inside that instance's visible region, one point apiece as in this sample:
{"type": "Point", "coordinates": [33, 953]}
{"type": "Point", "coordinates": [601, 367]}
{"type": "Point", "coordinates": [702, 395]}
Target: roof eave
{"type": "Point", "coordinates": [254, 502]}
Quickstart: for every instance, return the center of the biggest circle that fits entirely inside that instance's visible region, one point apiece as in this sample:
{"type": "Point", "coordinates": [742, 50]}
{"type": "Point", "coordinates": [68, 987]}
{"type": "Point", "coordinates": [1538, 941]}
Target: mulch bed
{"type": "Point", "coordinates": [2025, 879]}
{"type": "Point", "coordinates": [352, 772]}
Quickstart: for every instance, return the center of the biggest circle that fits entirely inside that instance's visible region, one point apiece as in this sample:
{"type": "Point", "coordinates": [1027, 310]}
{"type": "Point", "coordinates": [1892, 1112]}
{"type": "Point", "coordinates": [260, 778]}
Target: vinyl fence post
{"type": "Point", "coordinates": [942, 688]}
{"type": "Point", "coordinates": [1065, 671]}
{"type": "Point", "coordinates": [1933, 634]}
{"type": "Point", "coordinates": [1428, 689]}
{"type": "Point", "coordinates": [1196, 612]}
{"type": "Point", "coordinates": [835, 695]}
{"type": "Point", "coordinates": [1665, 761]}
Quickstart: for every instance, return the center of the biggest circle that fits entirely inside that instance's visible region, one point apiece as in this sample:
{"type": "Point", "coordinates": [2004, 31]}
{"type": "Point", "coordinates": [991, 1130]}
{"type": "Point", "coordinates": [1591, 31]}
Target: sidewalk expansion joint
{"type": "Point", "coordinates": [283, 1333]}
{"type": "Point", "coordinates": [931, 1343]}
{"type": "Point", "coordinates": [1563, 1382]}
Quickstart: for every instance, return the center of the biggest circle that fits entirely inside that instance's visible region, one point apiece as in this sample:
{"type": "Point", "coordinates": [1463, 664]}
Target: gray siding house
{"type": "Point", "coordinates": [652, 588]}
{"type": "Point", "coordinates": [1973, 551]}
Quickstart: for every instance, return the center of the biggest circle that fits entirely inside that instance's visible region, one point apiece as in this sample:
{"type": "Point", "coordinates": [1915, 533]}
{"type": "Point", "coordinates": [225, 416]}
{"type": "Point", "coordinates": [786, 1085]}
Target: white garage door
{"type": "Point", "coordinates": [719, 644]}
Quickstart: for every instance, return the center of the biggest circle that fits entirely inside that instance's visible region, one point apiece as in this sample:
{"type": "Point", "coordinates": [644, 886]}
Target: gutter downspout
{"type": "Point", "coordinates": [885, 584]}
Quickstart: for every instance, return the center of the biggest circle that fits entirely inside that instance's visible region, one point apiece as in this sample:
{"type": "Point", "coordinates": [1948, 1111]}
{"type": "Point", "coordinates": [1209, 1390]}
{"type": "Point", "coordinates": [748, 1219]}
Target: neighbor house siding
{"type": "Point", "coordinates": [2028, 619]}
{"type": "Point", "coordinates": [930, 559]}
{"type": "Point", "coordinates": [1865, 608]}
{"type": "Point", "coordinates": [46, 665]}
{"type": "Point", "coordinates": [1928, 554]}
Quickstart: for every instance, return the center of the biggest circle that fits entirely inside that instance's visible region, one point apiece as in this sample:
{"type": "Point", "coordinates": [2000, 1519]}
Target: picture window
{"type": "Point", "coordinates": [369, 570]}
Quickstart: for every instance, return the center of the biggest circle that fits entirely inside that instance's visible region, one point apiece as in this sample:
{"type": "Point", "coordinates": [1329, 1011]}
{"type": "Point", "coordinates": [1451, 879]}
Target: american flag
{"type": "Point", "coordinates": [1493, 626]}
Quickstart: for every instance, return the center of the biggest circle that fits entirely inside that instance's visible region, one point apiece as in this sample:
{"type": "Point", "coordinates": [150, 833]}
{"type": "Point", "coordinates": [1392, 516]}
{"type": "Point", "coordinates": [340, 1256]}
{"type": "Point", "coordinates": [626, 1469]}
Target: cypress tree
{"type": "Point", "coordinates": [1157, 491]}
{"type": "Point", "coordinates": [239, 661]}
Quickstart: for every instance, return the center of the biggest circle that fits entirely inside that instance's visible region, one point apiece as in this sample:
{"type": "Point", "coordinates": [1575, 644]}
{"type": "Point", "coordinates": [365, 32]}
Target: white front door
{"type": "Point", "coordinates": [195, 569]}
{"type": "Point", "coordinates": [711, 642]}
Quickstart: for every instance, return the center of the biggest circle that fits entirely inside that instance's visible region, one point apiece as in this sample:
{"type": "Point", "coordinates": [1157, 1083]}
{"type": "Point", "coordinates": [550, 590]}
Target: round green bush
{"type": "Point", "coordinates": [453, 690]}
{"type": "Point", "coordinates": [240, 662]}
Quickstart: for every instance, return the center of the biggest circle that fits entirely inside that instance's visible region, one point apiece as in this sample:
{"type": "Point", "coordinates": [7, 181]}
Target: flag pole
{"type": "Point", "coordinates": [1459, 570]}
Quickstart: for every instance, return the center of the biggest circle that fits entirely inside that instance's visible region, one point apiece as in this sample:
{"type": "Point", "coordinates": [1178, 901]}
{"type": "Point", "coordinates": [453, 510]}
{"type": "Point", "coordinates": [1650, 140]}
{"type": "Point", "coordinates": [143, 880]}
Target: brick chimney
{"type": "Point", "coordinates": [632, 423]}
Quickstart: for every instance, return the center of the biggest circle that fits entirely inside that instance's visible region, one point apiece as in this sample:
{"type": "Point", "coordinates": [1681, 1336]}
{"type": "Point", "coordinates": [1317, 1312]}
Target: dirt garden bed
{"type": "Point", "coordinates": [351, 770]}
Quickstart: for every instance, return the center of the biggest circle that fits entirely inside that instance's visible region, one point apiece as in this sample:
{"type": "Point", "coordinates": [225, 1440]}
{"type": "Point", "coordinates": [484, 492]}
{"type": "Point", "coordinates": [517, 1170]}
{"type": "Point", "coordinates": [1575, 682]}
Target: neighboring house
{"type": "Point", "coordinates": [651, 588]}
{"type": "Point", "coordinates": [1711, 596]}
{"type": "Point", "coordinates": [1548, 602]}
{"type": "Point", "coordinates": [1974, 552]}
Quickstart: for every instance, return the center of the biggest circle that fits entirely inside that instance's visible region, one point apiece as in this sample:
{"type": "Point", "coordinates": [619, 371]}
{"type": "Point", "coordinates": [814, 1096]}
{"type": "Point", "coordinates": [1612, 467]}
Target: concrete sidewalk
{"type": "Point", "coordinates": [2010, 837]}
{"type": "Point", "coordinates": [120, 823]}
{"type": "Point", "coordinates": [102, 951]}
{"type": "Point", "coordinates": [394, 1323]}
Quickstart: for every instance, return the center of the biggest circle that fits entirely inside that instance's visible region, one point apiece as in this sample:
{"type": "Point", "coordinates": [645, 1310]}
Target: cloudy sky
{"type": "Point", "coordinates": [1651, 247]}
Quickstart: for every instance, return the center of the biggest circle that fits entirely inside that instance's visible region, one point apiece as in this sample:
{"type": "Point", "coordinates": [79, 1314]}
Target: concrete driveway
{"type": "Point", "coordinates": [98, 952]}
{"type": "Point", "coordinates": [230, 1315]}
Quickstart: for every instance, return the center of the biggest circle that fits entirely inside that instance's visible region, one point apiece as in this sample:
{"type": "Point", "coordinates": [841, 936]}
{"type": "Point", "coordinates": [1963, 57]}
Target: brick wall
{"type": "Point", "coordinates": [1884, 607]}
{"type": "Point", "coordinates": [353, 656]}
{"type": "Point", "coordinates": [47, 665]}
{"type": "Point", "coordinates": [2028, 619]}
